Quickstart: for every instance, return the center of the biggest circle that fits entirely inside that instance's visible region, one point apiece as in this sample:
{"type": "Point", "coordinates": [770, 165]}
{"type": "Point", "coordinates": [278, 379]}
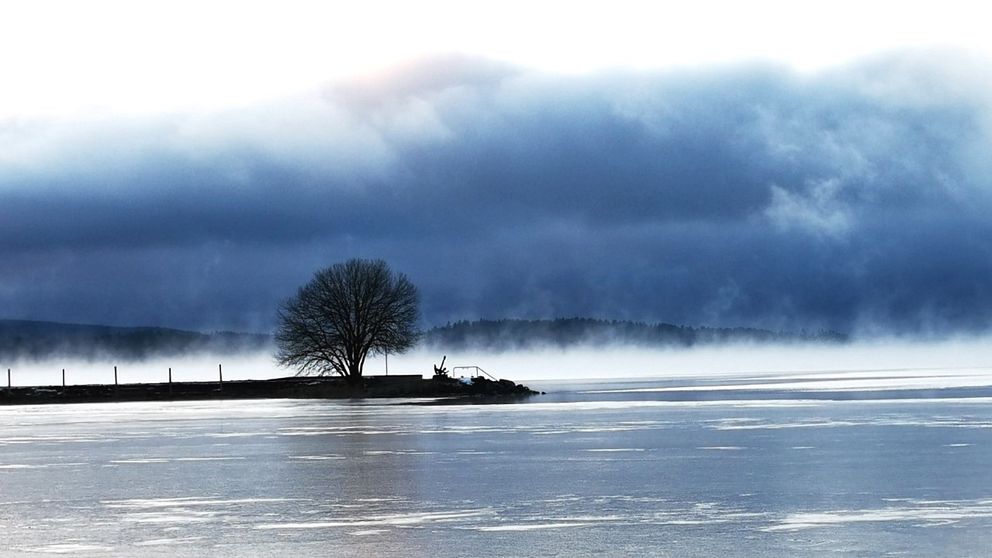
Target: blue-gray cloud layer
{"type": "Point", "coordinates": [855, 199]}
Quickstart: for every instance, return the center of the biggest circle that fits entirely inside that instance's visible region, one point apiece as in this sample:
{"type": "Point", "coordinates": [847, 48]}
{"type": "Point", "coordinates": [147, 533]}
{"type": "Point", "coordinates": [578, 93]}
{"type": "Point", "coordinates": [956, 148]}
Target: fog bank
{"type": "Point", "coordinates": [185, 368]}
{"type": "Point", "coordinates": [716, 360]}
{"type": "Point", "coordinates": [971, 356]}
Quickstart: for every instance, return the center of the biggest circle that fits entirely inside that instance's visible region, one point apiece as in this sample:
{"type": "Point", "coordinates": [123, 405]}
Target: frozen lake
{"type": "Point", "coordinates": [736, 466]}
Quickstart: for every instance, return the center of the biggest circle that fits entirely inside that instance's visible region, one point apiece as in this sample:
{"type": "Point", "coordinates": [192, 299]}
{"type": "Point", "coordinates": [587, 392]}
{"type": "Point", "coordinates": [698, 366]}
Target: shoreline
{"type": "Point", "coordinates": [293, 387]}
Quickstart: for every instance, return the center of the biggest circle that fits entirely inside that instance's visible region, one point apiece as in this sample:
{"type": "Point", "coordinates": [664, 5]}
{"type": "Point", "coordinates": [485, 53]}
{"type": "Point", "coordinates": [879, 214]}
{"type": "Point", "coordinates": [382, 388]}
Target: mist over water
{"type": "Point", "coordinates": [185, 368]}
{"type": "Point", "coordinates": [934, 359]}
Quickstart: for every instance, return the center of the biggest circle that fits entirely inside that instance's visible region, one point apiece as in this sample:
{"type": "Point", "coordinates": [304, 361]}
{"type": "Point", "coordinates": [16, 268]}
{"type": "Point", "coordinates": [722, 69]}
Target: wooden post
{"type": "Point", "coordinates": [8, 378]}
{"type": "Point", "coordinates": [386, 354]}
{"type": "Point", "coordinates": [170, 381]}
{"type": "Point", "coordinates": [63, 378]}
{"type": "Point", "coordinates": [115, 376]}
{"type": "Point", "coordinates": [220, 374]}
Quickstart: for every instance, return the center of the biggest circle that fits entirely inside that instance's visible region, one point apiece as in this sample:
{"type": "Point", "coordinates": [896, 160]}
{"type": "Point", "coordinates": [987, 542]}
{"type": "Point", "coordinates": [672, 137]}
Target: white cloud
{"type": "Point", "coordinates": [141, 57]}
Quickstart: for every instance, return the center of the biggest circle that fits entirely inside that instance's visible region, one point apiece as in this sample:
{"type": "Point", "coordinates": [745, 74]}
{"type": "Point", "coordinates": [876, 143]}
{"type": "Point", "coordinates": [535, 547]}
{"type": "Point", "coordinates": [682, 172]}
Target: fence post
{"type": "Point", "coordinates": [170, 381]}
{"type": "Point", "coordinates": [63, 378]}
{"type": "Point", "coordinates": [115, 376]}
{"type": "Point", "coordinates": [8, 378]}
{"type": "Point", "coordinates": [220, 374]}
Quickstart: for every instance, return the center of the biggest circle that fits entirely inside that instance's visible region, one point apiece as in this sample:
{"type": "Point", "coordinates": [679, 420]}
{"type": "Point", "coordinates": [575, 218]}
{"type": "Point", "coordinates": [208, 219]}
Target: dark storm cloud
{"type": "Point", "coordinates": [856, 199]}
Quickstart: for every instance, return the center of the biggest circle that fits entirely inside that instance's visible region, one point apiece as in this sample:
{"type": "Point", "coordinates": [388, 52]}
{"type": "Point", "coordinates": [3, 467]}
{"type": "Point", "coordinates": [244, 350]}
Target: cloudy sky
{"type": "Point", "coordinates": [770, 164]}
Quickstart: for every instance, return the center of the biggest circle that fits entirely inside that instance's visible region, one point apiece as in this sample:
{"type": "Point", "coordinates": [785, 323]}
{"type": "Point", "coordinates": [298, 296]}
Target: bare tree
{"type": "Point", "coordinates": [346, 312]}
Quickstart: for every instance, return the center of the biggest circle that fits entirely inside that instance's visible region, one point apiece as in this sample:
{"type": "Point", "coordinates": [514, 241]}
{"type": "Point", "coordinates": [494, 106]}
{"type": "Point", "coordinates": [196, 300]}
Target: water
{"type": "Point", "coordinates": [734, 466]}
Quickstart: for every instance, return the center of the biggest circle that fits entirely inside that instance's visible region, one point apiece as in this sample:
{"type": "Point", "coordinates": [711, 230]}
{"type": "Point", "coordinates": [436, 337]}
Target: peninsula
{"type": "Point", "coordinates": [296, 387]}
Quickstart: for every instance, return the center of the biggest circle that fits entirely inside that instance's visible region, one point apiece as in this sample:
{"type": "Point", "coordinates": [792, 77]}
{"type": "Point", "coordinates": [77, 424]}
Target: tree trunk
{"type": "Point", "coordinates": [354, 376]}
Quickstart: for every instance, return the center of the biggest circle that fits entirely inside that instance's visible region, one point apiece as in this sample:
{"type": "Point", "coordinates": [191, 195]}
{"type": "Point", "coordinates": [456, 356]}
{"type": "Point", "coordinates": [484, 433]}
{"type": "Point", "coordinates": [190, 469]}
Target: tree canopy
{"type": "Point", "coordinates": [345, 313]}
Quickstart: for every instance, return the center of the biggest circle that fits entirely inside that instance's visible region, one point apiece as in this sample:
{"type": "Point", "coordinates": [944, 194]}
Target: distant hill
{"type": "Point", "coordinates": [504, 335]}
{"type": "Point", "coordinates": [30, 340]}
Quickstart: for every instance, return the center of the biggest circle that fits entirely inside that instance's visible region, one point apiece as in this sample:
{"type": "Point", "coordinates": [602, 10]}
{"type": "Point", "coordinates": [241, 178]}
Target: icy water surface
{"type": "Point", "coordinates": [736, 467]}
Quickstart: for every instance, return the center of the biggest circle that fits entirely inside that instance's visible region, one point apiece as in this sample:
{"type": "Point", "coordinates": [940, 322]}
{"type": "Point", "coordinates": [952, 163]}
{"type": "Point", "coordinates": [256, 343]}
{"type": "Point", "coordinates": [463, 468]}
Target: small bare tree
{"type": "Point", "coordinates": [346, 312]}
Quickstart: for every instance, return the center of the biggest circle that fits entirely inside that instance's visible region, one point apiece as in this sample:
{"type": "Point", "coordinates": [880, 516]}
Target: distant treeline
{"type": "Point", "coordinates": [503, 335]}
{"type": "Point", "coordinates": [29, 340]}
